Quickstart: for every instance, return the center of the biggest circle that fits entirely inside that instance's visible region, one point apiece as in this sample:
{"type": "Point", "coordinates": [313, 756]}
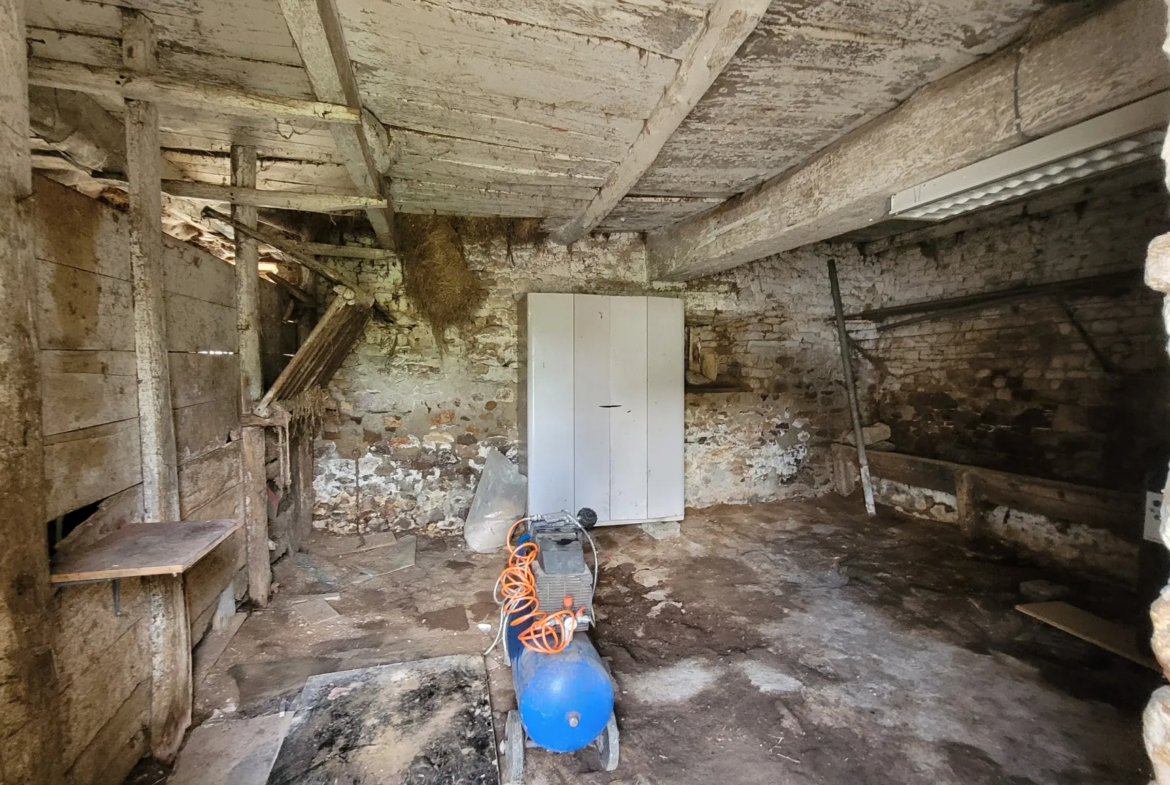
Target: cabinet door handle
{"type": "Point", "coordinates": [610, 406]}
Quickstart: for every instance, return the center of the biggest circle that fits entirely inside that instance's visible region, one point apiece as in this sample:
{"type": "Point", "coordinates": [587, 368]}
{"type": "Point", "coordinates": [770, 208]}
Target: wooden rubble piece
{"type": "Point", "coordinates": [727, 25]}
{"type": "Point", "coordinates": [169, 629]}
{"type": "Point", "coordinates": [1111, 636]}
{"type": "Point", "coordinates": [30, 715]}
{"type": "Point", "coordinates": [280, 200]}
{"type": "Point", "coordinates": [323, 352]}
{"type": "Point", "coordinates": [122, 83]}
{"type": "Point", "coordinates": [142, 549]}
{"type": "Point", "coordinates": [316, 29]}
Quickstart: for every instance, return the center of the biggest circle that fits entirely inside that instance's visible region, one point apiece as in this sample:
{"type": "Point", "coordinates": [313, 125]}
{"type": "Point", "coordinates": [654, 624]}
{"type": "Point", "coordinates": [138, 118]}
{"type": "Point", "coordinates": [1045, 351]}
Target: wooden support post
{"type": "Point", "coordinates": [967, 504]}
{"type": "Point", "coordinates": [247, 282]}
{"type": "Point", "coordinates": [170, 705]}
{"type": "Point", "coordinates": [251, 381]}
{"type": "Point", "coordinates": [30, 751]}
{"type": "Point", "coordinates": [851, 390]}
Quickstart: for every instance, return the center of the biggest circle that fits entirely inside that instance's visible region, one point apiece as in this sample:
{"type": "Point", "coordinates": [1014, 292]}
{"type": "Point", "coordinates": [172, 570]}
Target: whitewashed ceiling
{"type": "Point", "coordinates": [525, 107]}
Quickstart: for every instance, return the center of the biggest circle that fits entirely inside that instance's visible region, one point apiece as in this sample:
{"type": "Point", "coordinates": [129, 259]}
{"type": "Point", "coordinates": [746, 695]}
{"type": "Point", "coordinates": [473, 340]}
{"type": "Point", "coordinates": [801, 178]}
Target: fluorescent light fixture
{"type": "Point", "coordinates": [1118, 138]}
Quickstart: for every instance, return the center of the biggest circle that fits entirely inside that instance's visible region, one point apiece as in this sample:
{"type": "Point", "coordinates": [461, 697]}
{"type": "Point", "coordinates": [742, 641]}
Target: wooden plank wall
{"type": "Point", "coordinates": [85, 330]}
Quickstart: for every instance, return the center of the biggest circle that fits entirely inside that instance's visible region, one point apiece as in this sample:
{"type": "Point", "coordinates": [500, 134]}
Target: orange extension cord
{"type": "Point", "coordinates": [548, 633]}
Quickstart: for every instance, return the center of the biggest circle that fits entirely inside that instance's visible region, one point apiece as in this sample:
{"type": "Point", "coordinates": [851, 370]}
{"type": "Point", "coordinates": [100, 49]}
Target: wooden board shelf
{"type": "Point", "coordinates": [144, 549]}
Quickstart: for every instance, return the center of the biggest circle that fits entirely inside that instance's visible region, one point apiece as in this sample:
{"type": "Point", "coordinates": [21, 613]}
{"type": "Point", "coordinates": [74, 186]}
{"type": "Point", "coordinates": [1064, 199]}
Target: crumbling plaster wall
{"type": "Point", "coordinates": [403, 447]}
{"type": "Point", "coordinates": [1015, 387]}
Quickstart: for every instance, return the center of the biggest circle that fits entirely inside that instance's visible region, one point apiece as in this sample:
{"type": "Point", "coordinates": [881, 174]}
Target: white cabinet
{"type": "Point", "coordinates": [604, 400]}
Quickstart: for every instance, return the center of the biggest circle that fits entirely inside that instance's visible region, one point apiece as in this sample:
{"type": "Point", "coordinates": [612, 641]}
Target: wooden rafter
{"type": "Point", "coordinates": [316, 29]}
{"type": "Point", "coordinates": [727, 25]}
{"type": "Point", "coordinates": [124, 83]}
{"type": "Point", "coordinates": [1104, 61]}
{"type": "Point", "coordinates": [280, 200]}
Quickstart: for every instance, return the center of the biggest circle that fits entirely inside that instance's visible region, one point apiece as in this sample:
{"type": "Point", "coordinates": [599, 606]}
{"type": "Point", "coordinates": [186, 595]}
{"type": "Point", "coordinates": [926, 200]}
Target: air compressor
{"type": "Point", "coordinates": [564, 690]}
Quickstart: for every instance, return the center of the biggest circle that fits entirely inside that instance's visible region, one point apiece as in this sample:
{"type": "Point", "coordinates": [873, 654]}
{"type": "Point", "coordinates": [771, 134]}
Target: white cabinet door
{"type": "Point", "coordinates": [591, 382]}
{"type": "Point", "coordinates": [665, 407]}
{"type": "Point", "coordinates": [605, 406]}
{"type": "Point", "coordinates": [627, 409]}
{"type": "Point", "coordinates": [550, 402]}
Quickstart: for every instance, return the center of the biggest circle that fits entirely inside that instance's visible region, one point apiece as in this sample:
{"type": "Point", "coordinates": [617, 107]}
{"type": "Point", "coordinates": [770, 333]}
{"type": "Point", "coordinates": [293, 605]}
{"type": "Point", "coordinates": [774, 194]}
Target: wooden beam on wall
{"type": "Point", "coordinates": [170, 646]}
{"type": "Point", "coordinates": [279, 200]}
{"type": "Point", "coordinates": [727, 25]}
{"type": "Point", "coordinates": [316, 29]}
{"type": "Point", "coordinates": [30, 743]}
{"type": "Point", "coordinates": [1104, 61]}
{"type": "Point", "coordinates": [118, 83]}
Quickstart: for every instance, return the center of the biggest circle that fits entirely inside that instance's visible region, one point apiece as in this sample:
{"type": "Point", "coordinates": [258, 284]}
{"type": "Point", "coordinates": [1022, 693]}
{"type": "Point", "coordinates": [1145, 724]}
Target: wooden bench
{"type": "Point", "coordinates": [1114, 511]}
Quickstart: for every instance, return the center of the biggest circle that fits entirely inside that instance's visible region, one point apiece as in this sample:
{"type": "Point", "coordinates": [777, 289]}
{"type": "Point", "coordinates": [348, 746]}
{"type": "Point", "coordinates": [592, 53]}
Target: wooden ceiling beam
{"type": "Point", "coordinates": [726, 26]}
{"type": "Point", "coordinates": [279, 200]}
{"type": "Point", "coordinates": [1103, 61]}
{"type": "Point", "coordinates": [124, 83]}
{"type": "Point", "coordinates": [315, 26]}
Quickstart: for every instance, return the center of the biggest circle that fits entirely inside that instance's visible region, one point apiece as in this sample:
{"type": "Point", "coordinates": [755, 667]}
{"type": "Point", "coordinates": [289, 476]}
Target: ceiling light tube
{"type": "Point", "coordinates": [1124, 136]}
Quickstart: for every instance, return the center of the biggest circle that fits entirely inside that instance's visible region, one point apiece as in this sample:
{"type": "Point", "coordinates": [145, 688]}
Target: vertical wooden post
{"type": "Point", "coordinates": [851, 391]}
{"type": "Point", "coordinates": [170, 710]}
{"type": "Point", "coordinates": [251, 382]}
{"type": "Point", "coordinates": [247, 282]}
{"type": "Point", "coordinates": [967, 504]}
{"type": "Point", "coordinates": [29, 722]}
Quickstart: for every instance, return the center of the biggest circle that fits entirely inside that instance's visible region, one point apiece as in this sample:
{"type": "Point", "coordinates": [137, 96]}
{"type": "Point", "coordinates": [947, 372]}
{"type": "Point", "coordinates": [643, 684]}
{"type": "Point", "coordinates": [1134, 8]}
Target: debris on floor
{"type": "Point", "coordinates": [1110, 636]}
{"type": "Point", "coordinates": [770, 634]}
{"type": "Point", "coordinates": [384, 559]}
{"type": "Point", "coordinates": [236, 752]}
{"type": "Point", "coordinates": [662, 530]}
{"type": "Point", "coordinates": [418, 723]}
{"type": "Point", "coordinates": [315, 610]}
{"type": "Point", "coordinates": [1040, 590]}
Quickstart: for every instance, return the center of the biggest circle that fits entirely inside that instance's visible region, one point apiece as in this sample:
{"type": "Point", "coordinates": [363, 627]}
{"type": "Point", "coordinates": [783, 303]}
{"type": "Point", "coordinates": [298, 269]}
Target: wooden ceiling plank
{"type": "Point", "coordinates": [964, 118]}
{"type": "Point", "coordinates": [279, 200]}
{"type": "Point", "coordinates": [664, 27]}
{"type": "Point", "coordinates": [728, 24]}
{"type": "Point", "coordinates": [482, 51]}
{"type": "Point", "coordinates": [165, 90]}
{"type": "Point", "coordinates": [316, 29]}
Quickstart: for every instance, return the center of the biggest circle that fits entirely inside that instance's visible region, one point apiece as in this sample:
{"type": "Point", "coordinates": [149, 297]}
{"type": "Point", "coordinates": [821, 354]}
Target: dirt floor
{"type": "Point", "coordinates": [783, 643]}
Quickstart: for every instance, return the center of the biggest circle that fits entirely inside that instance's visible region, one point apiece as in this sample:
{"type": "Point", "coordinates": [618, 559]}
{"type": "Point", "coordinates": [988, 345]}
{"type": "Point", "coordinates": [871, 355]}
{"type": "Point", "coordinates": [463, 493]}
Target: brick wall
{"type": "Point", "coordinates": [1016, 387]}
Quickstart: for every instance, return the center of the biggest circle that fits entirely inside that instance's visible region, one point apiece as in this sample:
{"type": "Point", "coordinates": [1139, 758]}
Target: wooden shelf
{"type": "Point", "coordinates": [144, 549]}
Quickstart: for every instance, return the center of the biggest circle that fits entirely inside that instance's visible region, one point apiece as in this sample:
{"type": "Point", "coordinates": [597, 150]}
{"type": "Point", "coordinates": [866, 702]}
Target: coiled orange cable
{"type": "Point", "coordinates": [548, 633]}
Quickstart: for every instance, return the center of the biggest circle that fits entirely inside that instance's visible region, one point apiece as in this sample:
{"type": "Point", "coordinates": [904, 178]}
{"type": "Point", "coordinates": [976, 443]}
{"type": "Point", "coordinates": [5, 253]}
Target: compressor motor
{"type": "Point", "coordinates": [564, 691]}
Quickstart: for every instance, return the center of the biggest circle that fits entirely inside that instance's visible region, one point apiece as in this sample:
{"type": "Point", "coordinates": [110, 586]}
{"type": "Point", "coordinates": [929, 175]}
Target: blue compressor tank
{"type": "Point", "coordinates": [565, 699]}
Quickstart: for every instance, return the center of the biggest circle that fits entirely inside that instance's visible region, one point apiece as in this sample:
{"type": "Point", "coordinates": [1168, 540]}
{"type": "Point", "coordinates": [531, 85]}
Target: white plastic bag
{"type": "Point", "coordinates": [500, 500]}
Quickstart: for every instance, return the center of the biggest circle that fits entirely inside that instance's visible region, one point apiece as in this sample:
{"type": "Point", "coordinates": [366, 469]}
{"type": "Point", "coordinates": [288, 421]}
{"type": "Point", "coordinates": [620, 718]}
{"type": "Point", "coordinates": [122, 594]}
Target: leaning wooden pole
{"type": "Point", "coordinates": [30, 723]}
{"type": "Point", "coordinates": [169, 629]}
{"type": "Point", "coordinates": [851, 390]}
{"type": "Point", "coordinates": [251, 381]}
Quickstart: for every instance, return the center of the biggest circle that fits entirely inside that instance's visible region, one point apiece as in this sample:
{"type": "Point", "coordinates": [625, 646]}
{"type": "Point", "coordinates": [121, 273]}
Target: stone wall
{"type": "Point", "coordinates": [403, 446]}
{"type": "Point", "coordinates": [1016, 387]}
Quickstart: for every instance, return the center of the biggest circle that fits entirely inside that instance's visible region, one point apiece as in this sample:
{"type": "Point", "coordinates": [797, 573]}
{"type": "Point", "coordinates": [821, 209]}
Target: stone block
{"type": "Point", "coordinates": [662, 530]}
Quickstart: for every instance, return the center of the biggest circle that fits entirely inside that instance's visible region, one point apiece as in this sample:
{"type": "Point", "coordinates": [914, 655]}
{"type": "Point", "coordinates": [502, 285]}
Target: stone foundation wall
{"type": "Point", "coordinates": [1015, 387]}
